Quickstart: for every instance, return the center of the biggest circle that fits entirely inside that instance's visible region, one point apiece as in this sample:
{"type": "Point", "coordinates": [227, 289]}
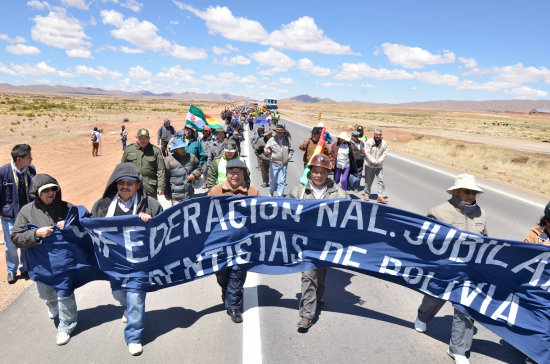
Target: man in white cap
{"type": "Point", "coordinates": [461, 211]}
{"type": "Point", "coordinates": [375, 153]}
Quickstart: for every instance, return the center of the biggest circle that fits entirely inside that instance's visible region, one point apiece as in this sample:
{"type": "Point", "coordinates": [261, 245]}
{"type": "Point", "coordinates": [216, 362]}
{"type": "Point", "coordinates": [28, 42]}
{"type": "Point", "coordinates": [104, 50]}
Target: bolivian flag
{"type": "Point", "coordinates": [195, 118]}
{"type": "Point", "coordinates": [318, 150]}
{"type": "Point", "coordinates": [212, 122]}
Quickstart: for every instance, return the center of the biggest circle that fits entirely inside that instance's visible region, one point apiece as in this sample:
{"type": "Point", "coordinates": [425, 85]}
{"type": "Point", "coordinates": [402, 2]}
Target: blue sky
{"type": "Point", "coordinates": [376, 51]}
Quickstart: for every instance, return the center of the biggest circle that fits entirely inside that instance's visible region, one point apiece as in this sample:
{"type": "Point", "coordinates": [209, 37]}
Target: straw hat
{"type": "Point", "coordinates": [343, 135]}
{"type": "Point", "coordinates": [466, 181]}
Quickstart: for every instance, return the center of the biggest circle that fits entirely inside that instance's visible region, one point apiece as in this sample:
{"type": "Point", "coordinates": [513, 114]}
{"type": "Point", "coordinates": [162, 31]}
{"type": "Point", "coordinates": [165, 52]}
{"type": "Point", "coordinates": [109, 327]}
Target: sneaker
{"type": "Point", "coordinates": [135, 348]}
{"type": "Point", "coordinates": [366, 198]}
{"type": "Point", "coordinates": [53, 312]}
{"type": "Point", "coordinates": [420, 326]}
{"type": "Point", "coordinates": [124, 318]}
{"type": "Point", "coordinates": [459, 359]}
{"type": "Point", "coordinates": [62, 338]}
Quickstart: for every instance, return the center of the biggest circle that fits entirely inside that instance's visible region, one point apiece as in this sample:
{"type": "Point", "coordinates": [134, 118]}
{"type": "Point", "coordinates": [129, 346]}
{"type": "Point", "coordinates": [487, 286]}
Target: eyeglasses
{"type": "Point", "coordinates": [126, 183]}
{"type": "Point", "coordinates": [470, 192]}
{"type": "Point", "coordinates": [52, 189]}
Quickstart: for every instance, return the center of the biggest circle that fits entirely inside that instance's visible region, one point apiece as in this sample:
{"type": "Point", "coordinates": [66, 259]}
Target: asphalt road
{"type": "Point", "coordinates": [366, 320]}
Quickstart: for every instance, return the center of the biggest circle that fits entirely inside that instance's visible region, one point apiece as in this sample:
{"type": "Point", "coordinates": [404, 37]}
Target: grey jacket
{"type": "Point", "coordinates": [178, 168]}
{"type": "Point", "coordinates": [452, 212]}
{"type": "Point", "coordinates": [280, 154]}
{"type": "Point", "coordinates": [38, 213]}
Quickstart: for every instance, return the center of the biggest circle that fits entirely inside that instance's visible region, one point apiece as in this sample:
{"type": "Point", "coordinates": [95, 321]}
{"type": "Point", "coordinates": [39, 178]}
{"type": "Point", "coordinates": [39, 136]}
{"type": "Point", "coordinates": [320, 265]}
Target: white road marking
{"type": "Point", "coordinates": [252, 340]}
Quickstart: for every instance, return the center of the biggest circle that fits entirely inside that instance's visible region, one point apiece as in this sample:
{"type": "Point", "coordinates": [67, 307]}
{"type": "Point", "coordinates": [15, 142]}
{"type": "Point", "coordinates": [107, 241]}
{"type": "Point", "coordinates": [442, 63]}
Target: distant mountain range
{"type": "Point", "coordinates": [480, 106]}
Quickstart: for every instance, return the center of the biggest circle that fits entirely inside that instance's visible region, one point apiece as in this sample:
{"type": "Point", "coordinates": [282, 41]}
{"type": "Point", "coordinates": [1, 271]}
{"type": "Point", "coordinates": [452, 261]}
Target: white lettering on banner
{"type": "Point", "coordinates": [297, 248]}
{"type": "Point", "coordinates": [279, 238]}
{"type": "Point", "coordinates": [129, 243]}
{"type": "Point", "coordinates": [467, 298]}
{"type": "Point", "coordinates": [168, 269]}
{"type": "Point", "coordinates": [215, 205]}
{"type": "Point", "coordinates": [448, 290]}
{"type": "Point", "coordinates": [103, 240]}
{"type": "Point", "coordinates": [187, 218]}
{"type": "Point", "coordinates": [262, 236]}
{"type": "Point", "coordinates": [372, 222]}
{"type": "Point", "coordinates": [263, 210]}
{"type": "Point", "coordinates": [409, 279]}
{"type": "Point", "coordinates": [214, 253]}
{"type": "Point", "coordinates": [339, 250]}
{"type": "Point", "coordinates": [384, 267]}
{"type": "Point", "coordinates": [243, 256]}
{"type": "Point", "coordinates": [287, 211]}
{"type": "Point", "coordinates": [488, 299]}
{"type": "Point", "coordinates": [232, 221]}
{"type": "Point", "coordinates": [229, 255]}
{"type": "Point", "coordinates": [332, 214]}
{"type": "Point", "coordinates": [418, 241]}
{"type": "Point", "coordinates": [153, 232]}
{"type": "Point", "coordinates": [347, 259]}
{"type": "Point", "coordinates": [512, 303]}
{"type": "Point", "coordinates": [173, 227]}
{"type": "Point", "coordinates": [253, 203]}
{"type": "Point", "coordinates": [353, 206]}
{"type": "Point", "coordinates": [540, 260]}
{"type": "Point", "coordinates": [196, 266]}
{"type": "Point", "coordinates": [471, 244]}
{"type": "Point", "coordinates": [450, 235]}
{"type": "Point", "coordinates": [491, 257]}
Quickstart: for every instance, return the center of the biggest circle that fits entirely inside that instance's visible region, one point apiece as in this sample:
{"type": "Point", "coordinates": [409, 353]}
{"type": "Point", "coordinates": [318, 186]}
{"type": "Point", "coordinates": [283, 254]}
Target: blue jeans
{"type": "Point", "coordinates": [68, 312]}
{"type": "Point", "coordinates": [232, 280]}
{"type": "Point", "coordinates": [12, 259]}
{"type": "Point", "coordinates": [134, 305]}
{"type": "Point", "coordinates": [277, 178]}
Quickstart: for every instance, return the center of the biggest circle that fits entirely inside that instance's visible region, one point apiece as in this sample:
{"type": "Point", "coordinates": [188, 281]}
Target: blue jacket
{"type": "Point", "coordinates": [195, 147]}
{"type": "Point", "coordinates": [9, 198]}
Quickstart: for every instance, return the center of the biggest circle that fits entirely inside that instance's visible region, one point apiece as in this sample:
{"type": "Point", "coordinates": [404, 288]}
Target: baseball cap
{"type": "Point", "coordinates": [230, 146]}
{"type": "Point", "coordinates": [143, 132]}
{"type": "Point", "coordinates": [235, 163]}
{"type": "Point", "coordinates": [179, 132]}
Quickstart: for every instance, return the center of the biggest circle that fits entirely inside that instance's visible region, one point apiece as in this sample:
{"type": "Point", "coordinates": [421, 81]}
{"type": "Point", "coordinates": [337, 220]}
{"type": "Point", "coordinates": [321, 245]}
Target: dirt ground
{"type": "Point", "coordinates": [82, 177]}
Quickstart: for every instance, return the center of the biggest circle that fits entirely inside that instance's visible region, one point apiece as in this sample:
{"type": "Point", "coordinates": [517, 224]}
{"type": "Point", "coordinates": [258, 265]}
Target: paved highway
{"type": "Point", "coordinates": [366, 319]}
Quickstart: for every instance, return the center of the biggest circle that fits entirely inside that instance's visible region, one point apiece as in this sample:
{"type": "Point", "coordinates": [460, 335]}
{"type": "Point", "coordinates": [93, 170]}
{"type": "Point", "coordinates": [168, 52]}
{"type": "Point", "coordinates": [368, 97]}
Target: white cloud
{"type": "Point", "coordinates": [468, 62]}
{"type": "Point", "coordinates": [285, 80]}
{"type": "Point", "coordinates": [237, 60]}
{"type": "Point", "coordinates": [355, 71]}
{"type": "Point", "coordinates": [526, 92]}
{"type": "Point", "coordinates": [59, 30]}
{"type": "Point", "coordinates": [436, 78]}
{"type": "Point", "coordinates": [220, 20]}
{"type": "Point", "coordinates": [132, 5]}
{"type": "Point", "coordinates": [130, 50]}
{"type": "Point", "coordinates": [518, 73]}
{"type": "Point", "coordinates": [7, 70]}
{"type": "Point", "coordinates": [174, 22]}
{"type": "Point", "coordinates": [231, 48]}
{"type": "Point", "coordinates": [80, 4]}
{"type": "Point", "coordinates": [177, 74]}
{"type": "Point", "coordinates": [187, 53]}
{"type": "Point", "coordinates": [41, 68]}
{"type": "Point", "coordinates": [218, 50]}
{"type": "Point", "coordinates": [17, 39]}
{"type": "Point", "coordinates": [415, 57]}
{"type": "Point", "coordinates": [38, 5]}
{"type": "Point", "coordinates": [139, 72]}
{"type": "Point", "coordinates": [98, 72]}
{"type": "Point", "coordinates": [21, 49]}
{"type": "Point", "coordinates": [79, 53]}
{"type": "Point", "coordinates": [336, 84]}
{"type": "Point", "coordinates": [227, 79]}
{"type": "Point", "coordinates": [304, 35]}
{"type": "Point", "coordinates": [301, 34]}
{"type": "Point", "coordinates": [307, 65]}
{"type": "Point", "coordinates": [279, 61]}
{"type": "Point", "coordinates": [367, 85]}
{"type": "Point", "coordinates": [144, 35]}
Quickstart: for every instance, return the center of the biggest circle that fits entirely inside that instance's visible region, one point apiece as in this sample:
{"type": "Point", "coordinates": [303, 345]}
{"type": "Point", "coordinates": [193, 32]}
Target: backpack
{"type": "Point", "coordinates": [94, 137]}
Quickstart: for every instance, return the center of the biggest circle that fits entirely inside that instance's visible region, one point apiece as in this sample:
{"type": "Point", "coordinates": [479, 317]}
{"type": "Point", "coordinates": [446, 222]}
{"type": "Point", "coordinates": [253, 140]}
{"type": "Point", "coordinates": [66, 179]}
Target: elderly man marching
{"type": "Point", "coordinates": [375, 153]}
{"type": "Point", "coordinates": [124, 195]}
{"type": "Point", "coordinates": [280, 152]}
{"type": "Point", "coordinates": [461, 211]}
{"type": "Point", "coordinates": [319, 186]}
{"type": "Point", "coordinates": [232, 279]}
{"type": "Point", "coordinates": [182, 169]}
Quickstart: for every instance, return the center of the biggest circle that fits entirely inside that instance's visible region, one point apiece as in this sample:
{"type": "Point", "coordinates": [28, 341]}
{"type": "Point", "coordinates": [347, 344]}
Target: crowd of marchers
{"type": "Point", "coordinates": [188, 159]}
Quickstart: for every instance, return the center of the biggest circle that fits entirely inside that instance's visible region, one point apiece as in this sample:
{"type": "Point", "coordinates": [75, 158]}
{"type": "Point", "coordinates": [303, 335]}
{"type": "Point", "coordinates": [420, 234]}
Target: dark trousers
{"type": "Point", "coordinates": [264, 167]}
{"type": "Point", "coordinates": [163, 147]}
{"type": "Point", "coordinates": [231, 281]}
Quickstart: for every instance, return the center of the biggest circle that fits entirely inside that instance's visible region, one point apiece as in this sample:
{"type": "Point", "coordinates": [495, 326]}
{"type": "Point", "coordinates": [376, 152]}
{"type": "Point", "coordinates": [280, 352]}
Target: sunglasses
{"type": "Point", "coordinates": [52, 189]}
{"type": "Point", "coordinates": [126, 183]}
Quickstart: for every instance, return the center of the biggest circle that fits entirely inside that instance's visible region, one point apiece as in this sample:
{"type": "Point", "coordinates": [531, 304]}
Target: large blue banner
{"type": "Point", "coordinates": [502, 284]}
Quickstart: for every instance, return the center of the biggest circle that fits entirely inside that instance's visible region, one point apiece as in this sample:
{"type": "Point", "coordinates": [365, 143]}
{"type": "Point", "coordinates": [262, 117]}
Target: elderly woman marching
{"type": "Point", "coordinates": [47, 210]}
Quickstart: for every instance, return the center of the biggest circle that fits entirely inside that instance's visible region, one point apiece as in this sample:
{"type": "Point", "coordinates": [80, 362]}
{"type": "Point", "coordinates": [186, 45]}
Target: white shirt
{"type": "Point", "coordinates": [318, 192]}
{"type": "Point", "coordinates": [342, 159]}
{"type": "Point", "coordinates": [98, 136]}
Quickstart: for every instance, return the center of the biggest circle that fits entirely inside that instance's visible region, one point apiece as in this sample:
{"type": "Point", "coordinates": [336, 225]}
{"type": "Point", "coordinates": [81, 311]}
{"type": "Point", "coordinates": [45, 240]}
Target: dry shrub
{"type": "Point", "coordinates": [461, 146]}
{"type": "Point", "coordinates": [520, 160]}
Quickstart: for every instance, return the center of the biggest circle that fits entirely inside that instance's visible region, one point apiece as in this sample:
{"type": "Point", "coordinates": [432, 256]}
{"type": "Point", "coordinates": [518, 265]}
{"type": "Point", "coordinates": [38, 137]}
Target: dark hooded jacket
{"type": "Point", "coordinates": [38, 213]}
{"type": "Point", "coordinates": [145, 203]}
